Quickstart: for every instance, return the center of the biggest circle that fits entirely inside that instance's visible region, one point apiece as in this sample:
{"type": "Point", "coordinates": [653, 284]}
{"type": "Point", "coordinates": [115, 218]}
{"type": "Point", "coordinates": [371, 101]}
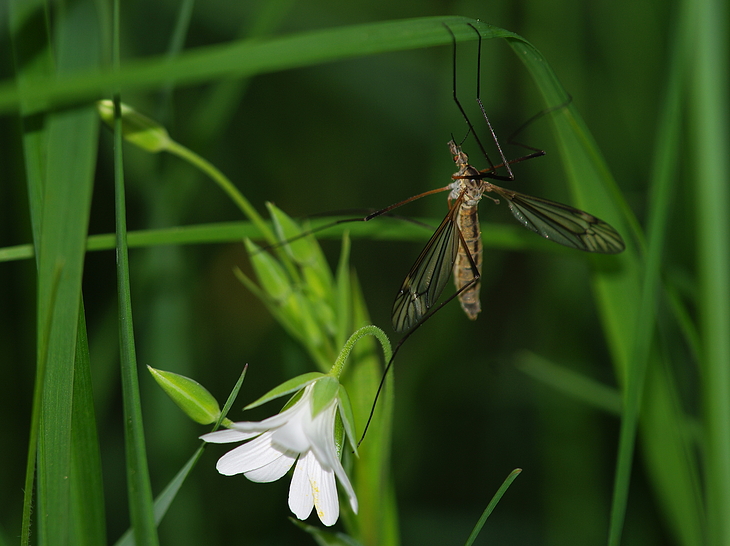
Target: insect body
{"type": "Point", "coordinates": [469, 186]}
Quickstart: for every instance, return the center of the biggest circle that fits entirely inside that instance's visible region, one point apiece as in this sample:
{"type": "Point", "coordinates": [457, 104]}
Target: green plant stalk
{"type": "Point", "coordinates": [709, 94]}
{"type": "Point", "coordinates": [663, 183]}
{"type": "Point", "coordinates": [138, 482]}
{"type": "Point", "coordinates": [139, 488]}
{"type": "Point", "coordinates": [368, 330]}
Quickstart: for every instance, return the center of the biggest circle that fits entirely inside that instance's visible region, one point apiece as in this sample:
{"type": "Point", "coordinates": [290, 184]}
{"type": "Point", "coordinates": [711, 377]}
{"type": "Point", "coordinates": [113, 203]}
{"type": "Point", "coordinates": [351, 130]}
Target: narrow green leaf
{"type": "Point", "coordinates": [287, 387]}
{"type": "Point", "coordinates": [710, 127]}
{"type": "Point", "coordinates": [33, 61]}
{"type": "Point", "coordinates": [61, 257]}
{"type": "Point", "coordinates": [492, 504]}
{"type": "Point", "coordinates": [87, 487]}
{"type": "Point", "coordinates": [495, 236]}
{"type": "Point", "coordinates": [250, 57]}
{"type": "Point", "coordinates": [139, 488]}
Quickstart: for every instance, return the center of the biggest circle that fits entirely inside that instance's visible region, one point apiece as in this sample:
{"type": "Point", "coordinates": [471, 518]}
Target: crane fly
{"type": "Point", "coordinates": [456, 246]}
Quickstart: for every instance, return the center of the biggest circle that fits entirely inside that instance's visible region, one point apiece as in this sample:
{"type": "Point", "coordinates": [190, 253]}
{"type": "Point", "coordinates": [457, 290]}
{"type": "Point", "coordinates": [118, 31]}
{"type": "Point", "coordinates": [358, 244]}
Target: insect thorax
{"type": "Point", "coordinates": [472, 186]}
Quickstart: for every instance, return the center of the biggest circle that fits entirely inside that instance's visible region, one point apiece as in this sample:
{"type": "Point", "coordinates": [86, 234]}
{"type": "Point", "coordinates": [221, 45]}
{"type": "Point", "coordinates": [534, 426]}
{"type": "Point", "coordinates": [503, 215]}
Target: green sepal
{"type": "Point", "coordinates": [305, 251]}
{"type": "Point", "coordinates": [343, 294]}
{"type": "Point", "coordinates": [136, 128]}
{"type": "Point", "coordinates": [287, 387]}
{"type": "Point", "coordinates": [271, 275]}
{"type": "Point", "coordinates": [301, 310]}
{"type": "Point", "coordinates": [324, 314]}
{"type": "Point", "coordinates": [348, 418]}
{"type": "Point", "coordinates": [189, 395]}
{"type": "Point", "coordinates": [339, 434]}
{"type": "Point", "coordinates": [324, 391]}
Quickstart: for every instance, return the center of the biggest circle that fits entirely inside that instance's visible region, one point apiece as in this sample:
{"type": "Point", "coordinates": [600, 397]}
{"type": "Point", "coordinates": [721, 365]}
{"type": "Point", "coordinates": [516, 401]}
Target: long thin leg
{"type": "Point", "coordinates": [427, 316]}
{"type": "Point", "coordinates": [510, 175]}
{"type": "Point", "coordinates": [362, 219]}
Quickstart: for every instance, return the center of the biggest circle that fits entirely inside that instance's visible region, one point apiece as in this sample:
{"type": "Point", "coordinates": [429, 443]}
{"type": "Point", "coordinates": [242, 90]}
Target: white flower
{"type": "Point", "coordinates": [279, 441]}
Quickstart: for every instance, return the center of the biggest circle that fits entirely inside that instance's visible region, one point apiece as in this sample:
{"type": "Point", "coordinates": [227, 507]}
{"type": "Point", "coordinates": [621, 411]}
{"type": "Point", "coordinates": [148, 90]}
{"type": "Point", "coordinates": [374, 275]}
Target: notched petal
{"type": "Point", "coordinates": [251, 456]}
{"type": "Point", "coordinates": [274, 470]}
{"type": "Point", "coordinates": [300, 491]}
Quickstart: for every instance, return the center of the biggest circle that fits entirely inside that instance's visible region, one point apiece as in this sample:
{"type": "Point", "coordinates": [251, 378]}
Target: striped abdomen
{"type": "Point", "coordinates": [468, 222]}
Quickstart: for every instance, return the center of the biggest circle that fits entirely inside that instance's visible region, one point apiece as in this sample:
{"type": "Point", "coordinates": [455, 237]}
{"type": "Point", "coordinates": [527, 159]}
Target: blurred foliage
{"type": "Point", "coordinates": [363, 134]}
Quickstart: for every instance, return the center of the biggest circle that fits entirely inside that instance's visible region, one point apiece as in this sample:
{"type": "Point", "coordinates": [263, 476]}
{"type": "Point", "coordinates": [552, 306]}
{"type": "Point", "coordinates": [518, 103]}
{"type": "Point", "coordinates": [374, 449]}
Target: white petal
{"type": "Point", "coordinates": [324, 491]}
{"type": "Point", "coordinates": [321, 434]}
{"type": "Point", "coordinates": [292, 436]}
{"type": "Point", "coordinates": [300, 491]}
{"type": "Point", "coordinates": [271, 422]}
{"type": "Point", "coordinates": [313, 485]}
{"type": "Point", "coordinates": [274, 470]}
{"type": "Point", "coordinates": [278, 420]}
{"type": "Point", "coordinates": [227, 436]}
{"type": "Point", "coordinates": [255, 454]}
{"type": "Point", "coordinates": [323, 445]}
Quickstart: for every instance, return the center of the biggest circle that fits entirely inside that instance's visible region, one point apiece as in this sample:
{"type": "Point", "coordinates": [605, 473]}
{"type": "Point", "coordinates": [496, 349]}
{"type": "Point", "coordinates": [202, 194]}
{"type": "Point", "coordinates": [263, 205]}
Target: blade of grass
{"type": "Point", "coordinates": [63, 234]}
{"type": "Point", "coordinates": [138, 482]}
{"type": "Point", "coordinates": [626, 294]}
{"type": "Point", "coordinates": [666, 448]}
{"type": "Point", "coordinates": [492, 505]}
{"type": "Point", "coordinates": [616, 279]}
{"type": "Point", "coordinates": [709, 121]}
{"type": "Point", "coordinates": [503, 236]}
{"type": "Point", "coordinates": [87, 488]}
{"type": "Point", "coordinates": [250, 57]}
{"type": "Point", "coordinates": [65, 212]}
{"type": "Point", "coordinates": [32, 59]}
{"type": "Point", "coordinates": [139, 489]}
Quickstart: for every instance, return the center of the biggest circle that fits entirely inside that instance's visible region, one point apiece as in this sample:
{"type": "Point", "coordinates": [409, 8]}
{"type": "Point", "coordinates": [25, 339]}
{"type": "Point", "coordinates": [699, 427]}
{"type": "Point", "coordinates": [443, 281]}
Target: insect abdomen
{"type": "Point", "coordinates": [464, 272]}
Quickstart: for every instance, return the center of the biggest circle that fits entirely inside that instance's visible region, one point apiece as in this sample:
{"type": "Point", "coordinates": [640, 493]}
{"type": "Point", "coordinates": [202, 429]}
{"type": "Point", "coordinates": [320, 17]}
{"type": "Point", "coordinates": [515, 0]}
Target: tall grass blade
{"type": "Point", "coordinates": [710, 124]}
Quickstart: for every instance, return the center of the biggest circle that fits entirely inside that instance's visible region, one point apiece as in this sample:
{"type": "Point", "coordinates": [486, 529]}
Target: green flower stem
{"type": "Point", "coordinates": [226, 185]}
{"type": "Point", "coordinates": [350, 343]}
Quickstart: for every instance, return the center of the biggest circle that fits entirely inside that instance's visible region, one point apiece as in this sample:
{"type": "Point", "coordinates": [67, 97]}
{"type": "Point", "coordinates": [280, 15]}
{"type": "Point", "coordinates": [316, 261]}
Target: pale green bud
{"type": "Point", "coordinates": [189, 395]}
{"type": "Point", "coordinates": [136, 128]}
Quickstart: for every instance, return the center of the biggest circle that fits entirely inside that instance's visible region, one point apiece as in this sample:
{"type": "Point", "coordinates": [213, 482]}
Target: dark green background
{"type": "Point", "coordinates": [363, 134]}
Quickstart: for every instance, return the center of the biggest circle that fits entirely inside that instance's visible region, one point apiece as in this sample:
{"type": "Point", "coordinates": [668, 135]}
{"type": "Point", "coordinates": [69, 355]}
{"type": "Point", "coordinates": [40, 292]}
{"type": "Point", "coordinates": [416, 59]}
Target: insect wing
{"type": "Point", "coordinates": [428, 276]}
{"type": "Point", "coordinates": [563, 224]}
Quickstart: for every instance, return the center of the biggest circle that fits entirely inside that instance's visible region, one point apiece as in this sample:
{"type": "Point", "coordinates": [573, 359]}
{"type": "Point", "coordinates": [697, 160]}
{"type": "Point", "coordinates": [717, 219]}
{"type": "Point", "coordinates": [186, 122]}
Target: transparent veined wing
{"type": "Point", "coordinates": [563, 224]}
{"type": "Point", "coordinates": [429, 275]}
